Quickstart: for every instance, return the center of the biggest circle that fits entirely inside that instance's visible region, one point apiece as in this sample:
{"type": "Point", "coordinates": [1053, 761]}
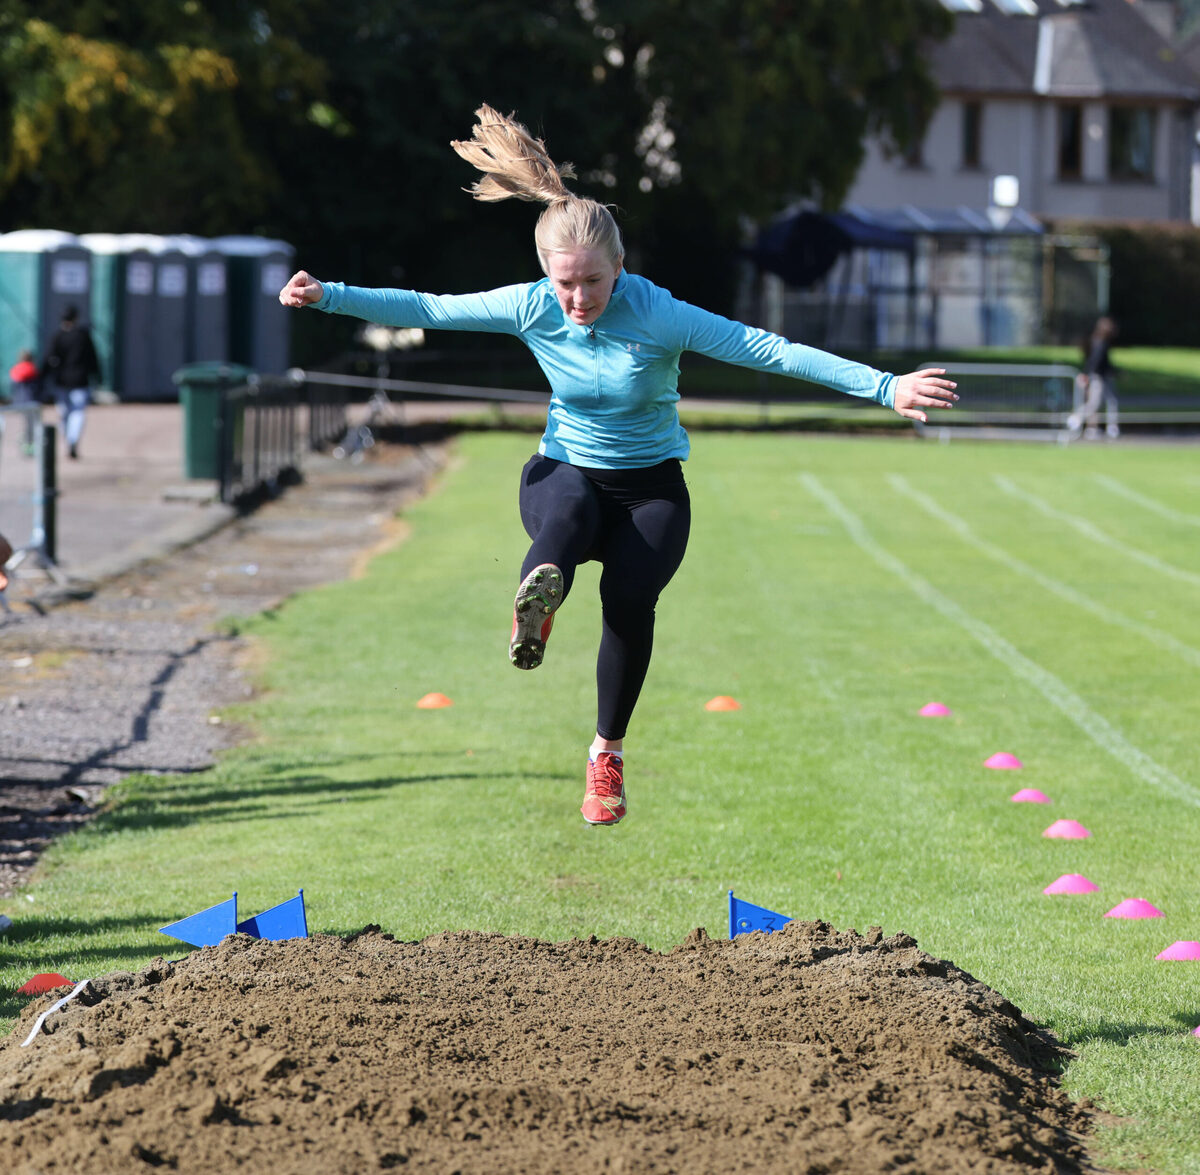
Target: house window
{"type": "Point", "coordinates": [1070, 142]}
{"type": "Point", "coordinates": [1131, 143]}
{"type": "Point", "coordinates": [972, 129]}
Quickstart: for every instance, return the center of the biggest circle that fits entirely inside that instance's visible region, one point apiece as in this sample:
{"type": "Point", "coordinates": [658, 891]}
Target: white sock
{"type": "Point", "coordinates": [592, 753]}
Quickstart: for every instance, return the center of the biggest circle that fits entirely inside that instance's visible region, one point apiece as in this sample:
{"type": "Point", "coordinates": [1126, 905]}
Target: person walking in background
{"type": "Point", "coordinates": [70, 366]}
{"type": "Point", "coordinates": [606, 483]}
{"type": "Point", "coordinates": [1097, 381]}
{"type": "Point", "coordinates": [25, 389]}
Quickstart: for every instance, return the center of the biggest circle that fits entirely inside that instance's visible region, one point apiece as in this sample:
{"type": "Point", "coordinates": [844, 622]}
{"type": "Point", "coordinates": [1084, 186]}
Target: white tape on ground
{"type": "Point", "coordinates": [1170, 513]}
{"type": "Point", "coordinates": [1091, 531]}
{"type": "Point", "coordinates": [1050, 687]}
{"type": "Point", "coordinates": [1164, 640]}
{"type": "Point", "coordinates": [37, 1025]}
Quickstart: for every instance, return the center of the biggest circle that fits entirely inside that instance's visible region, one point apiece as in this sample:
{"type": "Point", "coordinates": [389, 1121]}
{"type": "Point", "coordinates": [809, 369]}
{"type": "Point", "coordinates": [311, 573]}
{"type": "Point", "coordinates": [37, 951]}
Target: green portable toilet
{"type": "Point", "coordinates": [259, 327]}
{"type": "Point", "coordinates": [123, 293]}
{"type": "Point", "coordinates": [42, 272]}
{"type": "Point", "coordinates": [207, 338]}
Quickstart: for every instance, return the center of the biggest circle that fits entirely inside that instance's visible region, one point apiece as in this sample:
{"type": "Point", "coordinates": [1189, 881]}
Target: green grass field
{"type": "Point", "coordinates": [833, 586]}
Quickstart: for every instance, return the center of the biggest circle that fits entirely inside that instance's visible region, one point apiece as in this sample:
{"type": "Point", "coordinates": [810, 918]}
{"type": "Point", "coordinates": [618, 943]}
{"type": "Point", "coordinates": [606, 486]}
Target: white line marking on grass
{"type": "Point", "coordinates": [962, 528]}
{"type": "Point", "coordinates": [1093, 532]}
{"type": "Point", "coordinates": [1170, 513]}
{"type": "Point", "coordinates": [1050, 687]}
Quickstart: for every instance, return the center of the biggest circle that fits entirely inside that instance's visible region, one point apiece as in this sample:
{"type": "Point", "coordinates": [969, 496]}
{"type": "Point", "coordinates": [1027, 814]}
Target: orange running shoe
{"type": "Point", "coordinates": [537, 599]}
{"type": "Point", "coordinates": [604, 800]}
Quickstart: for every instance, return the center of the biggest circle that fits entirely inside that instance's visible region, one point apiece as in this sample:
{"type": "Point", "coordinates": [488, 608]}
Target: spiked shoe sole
{"type": "Point", "coordinates": [537, 599]}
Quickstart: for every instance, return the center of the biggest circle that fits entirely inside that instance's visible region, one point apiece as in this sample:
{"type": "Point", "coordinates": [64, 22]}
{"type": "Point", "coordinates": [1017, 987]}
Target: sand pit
{"type": "Point", "coordinates": [808, 1050]}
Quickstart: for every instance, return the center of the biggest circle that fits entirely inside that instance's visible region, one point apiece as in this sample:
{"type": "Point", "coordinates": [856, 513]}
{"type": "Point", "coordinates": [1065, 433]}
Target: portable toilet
{"type": "Point", "coordinates": [208, 299]}
{"type": "Point", "coordinates": [42, 272]}
{"type": "Point", "coordinates": [169, 313]}
{"type": "Point", "coordinates": [259, 327]}
{"type": "Point", "coordinates": [123, 311]}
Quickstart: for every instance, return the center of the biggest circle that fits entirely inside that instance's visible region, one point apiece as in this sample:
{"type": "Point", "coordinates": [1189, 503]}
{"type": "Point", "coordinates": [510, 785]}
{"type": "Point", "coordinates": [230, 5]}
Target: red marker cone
{"type": "Point", "coordinates": [434, 702]}
{"type": "Point", "coordinates": [722, 702]}
{"type": "Point", "coordinates": [43, 982]}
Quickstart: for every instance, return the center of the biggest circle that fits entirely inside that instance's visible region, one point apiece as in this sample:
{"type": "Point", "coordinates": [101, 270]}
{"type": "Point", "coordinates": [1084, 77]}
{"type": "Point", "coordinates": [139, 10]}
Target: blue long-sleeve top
{"type": "Point", "coordinates": [614, 384]}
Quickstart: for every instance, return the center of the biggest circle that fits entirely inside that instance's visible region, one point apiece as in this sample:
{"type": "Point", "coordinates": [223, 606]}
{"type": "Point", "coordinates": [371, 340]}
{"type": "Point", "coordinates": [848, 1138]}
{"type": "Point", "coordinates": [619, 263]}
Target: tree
{"type": "Point", "coordinates": [690, 117]}
{"type": "Point", "coordinates": [139, 116]}
{"type": "Point", "coordinates": [739, 107]}
{"type": "Point", "coordinates": [328, 124]}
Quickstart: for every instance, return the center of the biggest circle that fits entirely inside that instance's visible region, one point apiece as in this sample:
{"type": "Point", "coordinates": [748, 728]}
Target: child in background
{"type": "Point", "coordinates": [24, 385]}
{"type": "Point", "coordinates": [6, 553]}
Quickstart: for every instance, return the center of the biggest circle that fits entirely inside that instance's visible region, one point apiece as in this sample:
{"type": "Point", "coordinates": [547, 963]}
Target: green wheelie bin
{"type": "Point", "coordinates": [201, 388]}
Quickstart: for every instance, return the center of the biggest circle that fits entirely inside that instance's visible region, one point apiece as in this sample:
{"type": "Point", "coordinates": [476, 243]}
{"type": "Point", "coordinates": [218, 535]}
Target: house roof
{"type": "Point", "coordinates": [1061, 49]}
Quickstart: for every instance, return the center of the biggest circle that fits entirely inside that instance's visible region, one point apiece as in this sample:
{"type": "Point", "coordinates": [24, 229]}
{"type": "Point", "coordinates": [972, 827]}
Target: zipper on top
{"type": "Point", "coordinates": [595, 360]}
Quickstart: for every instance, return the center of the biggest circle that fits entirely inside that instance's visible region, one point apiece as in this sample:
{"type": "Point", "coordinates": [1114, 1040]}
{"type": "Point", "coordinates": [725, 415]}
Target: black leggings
{"type": "Point", "coordinates": [635, 522]}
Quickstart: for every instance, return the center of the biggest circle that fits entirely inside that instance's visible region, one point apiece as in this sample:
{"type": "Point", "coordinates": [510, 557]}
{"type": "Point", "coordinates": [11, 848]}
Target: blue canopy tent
{"type": "Point", "coordinates": [942, 266]}
{"type": "Point", "coordinates": [802, 247]}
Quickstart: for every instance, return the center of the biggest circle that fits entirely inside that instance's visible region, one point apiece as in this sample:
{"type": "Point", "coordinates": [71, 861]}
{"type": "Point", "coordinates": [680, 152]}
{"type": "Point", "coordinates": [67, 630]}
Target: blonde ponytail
{"type": "Point", "coordinates": [514, 163]}
{"type": "Point", "coordinates": [517, 166]}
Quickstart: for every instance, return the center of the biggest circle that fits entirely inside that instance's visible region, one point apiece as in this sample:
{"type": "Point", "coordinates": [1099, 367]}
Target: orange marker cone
{"type": "Point", "coordinates": [722, 702]}
{"type": "Point", "coordinates": [434, 702]}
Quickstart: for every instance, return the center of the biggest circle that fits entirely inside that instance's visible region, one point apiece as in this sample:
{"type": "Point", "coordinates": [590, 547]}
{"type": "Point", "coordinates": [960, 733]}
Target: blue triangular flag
{"type": "Point", "coordinates": [745, 917]}
{"type": "Point", "coordinates": [207, 927]}
{"type": "Point", "coordinates": [286, 920]}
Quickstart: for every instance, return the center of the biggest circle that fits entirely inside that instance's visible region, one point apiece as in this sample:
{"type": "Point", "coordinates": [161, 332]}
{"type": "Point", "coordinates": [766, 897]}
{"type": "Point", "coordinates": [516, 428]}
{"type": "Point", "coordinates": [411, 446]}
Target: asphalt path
{"type": "Point", "coordinates": [128, 671]}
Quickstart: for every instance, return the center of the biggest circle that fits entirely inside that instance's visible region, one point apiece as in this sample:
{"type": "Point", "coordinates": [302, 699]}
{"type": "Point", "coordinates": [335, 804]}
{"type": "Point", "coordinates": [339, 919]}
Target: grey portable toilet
{"type": "Point", "coordinates": [208, 299]}
{"type": "Point", "coordinates": [259, 327]}
{"type": "Point", "coordinates": [42, 272]}
{"type": "Point", "coordinates": [123, 311]}
{"type": "Point", "coordinates": [170, 313]}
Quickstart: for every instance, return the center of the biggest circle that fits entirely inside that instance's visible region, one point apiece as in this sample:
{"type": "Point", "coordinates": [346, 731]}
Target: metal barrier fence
{"type": "Point", "coordinates": [29, 488]}
{"type": "Point", "coordinates": [1030, 401]}
{"type": "Point", "coordinates": [259, 433]}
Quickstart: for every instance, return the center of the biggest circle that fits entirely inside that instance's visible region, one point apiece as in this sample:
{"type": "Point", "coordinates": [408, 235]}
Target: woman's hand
{"type": "Point", "coordinates": [922, 389]}
{"type": "Point", "coordinates": [302, 290]}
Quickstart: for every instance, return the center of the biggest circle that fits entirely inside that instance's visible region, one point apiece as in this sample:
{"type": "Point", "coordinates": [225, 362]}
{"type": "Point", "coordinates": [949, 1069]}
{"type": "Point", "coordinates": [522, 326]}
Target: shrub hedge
{"type": "Point", "coordinates": [1155, 288]}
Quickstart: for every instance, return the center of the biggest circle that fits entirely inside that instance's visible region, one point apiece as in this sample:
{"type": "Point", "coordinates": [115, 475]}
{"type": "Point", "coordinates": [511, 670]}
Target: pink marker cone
{"type": "Point", "coordinates": [934, 710]}
{"type": "Point", "coordinates": [1181, 950]}
{"type": "Point", "coordinates": [1071, 883]}
{"type": "Point", "coordinates": [1196, 1031]}
{"type": "Point", "coordinates": [1134, 908]}
{"type": "Point", "coordinates": [1003, 761]}
{"type": "Point", "coordinates": [1030, 795]}
{"type": "Point", "coordinates": [1066, 830]}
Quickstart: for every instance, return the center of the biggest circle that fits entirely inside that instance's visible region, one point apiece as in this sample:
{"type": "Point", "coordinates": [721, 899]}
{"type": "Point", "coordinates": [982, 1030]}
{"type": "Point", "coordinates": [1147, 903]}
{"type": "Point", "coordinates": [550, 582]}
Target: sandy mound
{"type": "Point", "coordinates": [808, 1050]}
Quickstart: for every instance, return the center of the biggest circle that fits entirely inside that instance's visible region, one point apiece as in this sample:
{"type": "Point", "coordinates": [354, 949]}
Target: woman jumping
{"type": "Point", "coordinates": [607, 481]}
